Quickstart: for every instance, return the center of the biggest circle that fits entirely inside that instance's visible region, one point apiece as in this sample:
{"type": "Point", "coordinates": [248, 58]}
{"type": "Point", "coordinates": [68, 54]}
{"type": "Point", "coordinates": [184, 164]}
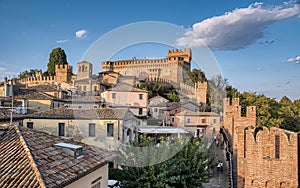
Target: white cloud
{"type": "Point", "coordinates": [237, 29]}
{"type": "Point", "coordinates": [293, 59]}
{"type": "Point", "coordinates": [290, 60]}
{"type": "Point", "coordinates": [81, 33]}
{"type": "Point", "coordinates": [2, 69]}
{"type": "Point", "coordinates": [297, 62]}
{"type": "Point", "coordinates": [62, 41]}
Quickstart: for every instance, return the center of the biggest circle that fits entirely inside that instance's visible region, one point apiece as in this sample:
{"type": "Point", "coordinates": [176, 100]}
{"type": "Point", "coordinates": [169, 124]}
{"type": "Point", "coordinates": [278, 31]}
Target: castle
{"type": "Point", "coordinates": [172, 69]}
{"type": "Point", "coordinates": [63, 74]}
{"type": "Point", "coordinates": [261, 158]}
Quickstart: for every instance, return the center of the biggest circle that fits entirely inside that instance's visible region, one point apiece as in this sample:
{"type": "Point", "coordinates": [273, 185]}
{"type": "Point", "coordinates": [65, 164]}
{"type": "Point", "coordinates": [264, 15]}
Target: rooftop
{"type": "Point", "coordinates": [82, 113]}
{"type": "Point", "coordinates": [28, 158]}
{"type": "Point", "coordinates": [125, 87]}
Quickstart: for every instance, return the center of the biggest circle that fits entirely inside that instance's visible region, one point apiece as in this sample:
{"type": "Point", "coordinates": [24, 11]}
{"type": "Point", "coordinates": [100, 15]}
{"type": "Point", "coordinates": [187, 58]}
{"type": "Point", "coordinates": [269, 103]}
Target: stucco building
{"type": "Point", "coordinates": [102, 127]}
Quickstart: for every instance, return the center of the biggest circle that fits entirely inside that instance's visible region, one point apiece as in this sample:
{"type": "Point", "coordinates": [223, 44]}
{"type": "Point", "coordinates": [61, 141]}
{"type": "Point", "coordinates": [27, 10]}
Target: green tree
{"type": "Point", "coordinates": [57, 57]}
{"type": "Point", "coordinates": [269, 113]}
{"type": "Point", "coordinates": [186, 169]}
{"type": "Point", "coordinates": [28, 74]}
{"type": "Point", "coordinates": [297, 102]}
{"type": "Point", "coordinates": [196, 75]}
{"type": "Point", "coordinates": [173, 96]}
{"type": "Point", "coordinates": [216, 93]}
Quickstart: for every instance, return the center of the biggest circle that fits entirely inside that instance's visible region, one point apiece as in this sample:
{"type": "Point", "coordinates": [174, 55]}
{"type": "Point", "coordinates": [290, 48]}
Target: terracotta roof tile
{"type": "Point", "coordinates": [50, 166]}
{"type": "Point", "coordinates": [125, 87]}
{"type": "Point", "coordinates": [82, 113]}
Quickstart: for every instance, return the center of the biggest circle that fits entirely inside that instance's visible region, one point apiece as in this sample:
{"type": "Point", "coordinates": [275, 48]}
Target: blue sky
{"type": "Point", "coordinates": [256, 44]}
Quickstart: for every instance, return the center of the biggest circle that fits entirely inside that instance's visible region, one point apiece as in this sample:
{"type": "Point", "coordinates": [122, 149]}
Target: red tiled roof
{"type": "Point", "coordinates": [122, 87]}
{"type": "Point", "coordinates": [82, 113]}
{"type": "Point", "coordinates": [29, 159]}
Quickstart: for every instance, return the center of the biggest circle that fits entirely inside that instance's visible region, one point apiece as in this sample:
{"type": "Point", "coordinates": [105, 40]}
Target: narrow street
{"type": "Point", "coordinates": [217, 178]}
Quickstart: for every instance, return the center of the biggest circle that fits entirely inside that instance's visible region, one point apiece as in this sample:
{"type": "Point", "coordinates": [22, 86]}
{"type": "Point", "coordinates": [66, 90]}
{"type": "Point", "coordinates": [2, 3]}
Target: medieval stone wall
{"type": "Point", "coordinates": [267, 159]}
{"type": "Point", "coordinates": [63, 74]}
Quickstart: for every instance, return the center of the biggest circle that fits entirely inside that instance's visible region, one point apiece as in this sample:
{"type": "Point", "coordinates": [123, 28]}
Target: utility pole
{"type": "Point", "coordinates": [12, 102]}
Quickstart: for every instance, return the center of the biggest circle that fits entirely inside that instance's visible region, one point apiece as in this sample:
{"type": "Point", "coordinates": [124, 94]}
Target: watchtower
{"type": "Point", "coordinates": [177, 55]}
{"type": "Point", "coordinates": [63, 73]}
{"type": "Point", "coordinates": [84, 70]}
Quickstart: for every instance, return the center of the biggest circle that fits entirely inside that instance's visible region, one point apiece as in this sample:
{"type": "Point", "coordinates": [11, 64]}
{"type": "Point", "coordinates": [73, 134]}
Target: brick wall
{"type": "Point", "coordinates": [255, 163]}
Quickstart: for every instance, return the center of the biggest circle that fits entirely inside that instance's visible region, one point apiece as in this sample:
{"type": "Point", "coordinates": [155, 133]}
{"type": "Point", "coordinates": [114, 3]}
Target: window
{"type": "Point", "coordinates": [95, 88]}
{"type": "Point", "coordinates": [277, 146]}
{"type": "Point", "coordinates": [110, 129]}
{"type": "Point", "coordinates": [188, 120]}
{"type": "Point", "coordinates": [215, 121]}
{"type": "Point", "coordinates": [84, 88]}
{"type": "Point", "coordinates": [140, 111]}
{"type": "Point", "coordinates": [155, 109]}
{"type": "Point", "coordinates": [61, 129]}
{"type": "Point", "coordinates": [113, 95]}
{"type": "Point", "coordinates": [203, 121]}
{"type": "Point", "coordinates": [172, 119]}
{"type": "Point", "coordinates": [92, 130]}
{"type": "Point", "coordinates": [96, 183]}
{"type": "Point", "coordinates": [140, 96]}
{"type": "Point", "coordinates": [30, 125]}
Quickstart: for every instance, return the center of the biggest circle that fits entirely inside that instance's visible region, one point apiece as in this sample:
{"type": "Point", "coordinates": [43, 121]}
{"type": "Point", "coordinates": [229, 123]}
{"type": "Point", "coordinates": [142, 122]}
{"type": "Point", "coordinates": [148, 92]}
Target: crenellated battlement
{"type": "Point", "coordinates": [262, 158]}
{"type": "Point", "coordinates": [271, 158]}
{"type": "Point", "coordinates": [177, 54]}
{"type": "Point", "coordinates": [64, 67]}
{"type": "Point", "coordinates": [63, 74]}
{"type": "Point", "coordinates": [37, 80]}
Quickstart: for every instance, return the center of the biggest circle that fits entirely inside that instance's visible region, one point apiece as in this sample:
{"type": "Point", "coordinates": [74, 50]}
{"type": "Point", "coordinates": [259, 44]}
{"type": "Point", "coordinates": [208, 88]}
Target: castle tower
{"type": "Point", "coordinates": [178, 55]}
{"type": "Point", "coordinates": [63, 73]}
{"type": "Point", "coordinates": [200, 92]}
{"type": "Point", "coordinates": [84, 70]}
{"type": "Point", "coordinates": [181, 60]}
{"type": "Point", "coordinates": [236, 126]}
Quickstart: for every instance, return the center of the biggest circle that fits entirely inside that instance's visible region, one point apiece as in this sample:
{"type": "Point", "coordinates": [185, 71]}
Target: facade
{"type": "Point", "coordinates": [102, 127]}
{"type": "Point", "coordinates": [85, 81]}
{"type": "Point", "coordinates": [156, 105]}
{"type": "Point", "coordinates": [170, 68]}
{"type": "Point", "coordinates": [38, 100]}
{"type": "Point", "coordinates": [31, 158]}
{"type": "Point", "coordinates": [123, 95]}
{"type": "Point", "coordinates": [7, 87]}
{"type": "Point", "coordinates": [198, 123]}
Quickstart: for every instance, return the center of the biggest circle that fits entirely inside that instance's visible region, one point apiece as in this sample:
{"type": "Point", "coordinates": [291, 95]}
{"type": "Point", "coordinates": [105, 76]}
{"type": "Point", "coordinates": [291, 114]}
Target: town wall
{"type": "Point", "coordinates": [255, 163]}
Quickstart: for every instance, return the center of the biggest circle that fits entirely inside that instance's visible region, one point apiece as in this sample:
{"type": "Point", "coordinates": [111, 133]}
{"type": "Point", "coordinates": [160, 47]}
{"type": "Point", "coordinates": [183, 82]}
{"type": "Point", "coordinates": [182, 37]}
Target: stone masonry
{"type": "Point", "coordinates": [261, 158]}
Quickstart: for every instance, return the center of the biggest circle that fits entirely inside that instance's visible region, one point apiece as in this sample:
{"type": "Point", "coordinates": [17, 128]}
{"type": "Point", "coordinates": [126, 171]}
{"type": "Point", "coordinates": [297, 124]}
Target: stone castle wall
{"type": "Point", "coordinates": [262, 167]}
{"type": "Point", "coordinates": [63, 74]}
{"type": "Point", "coordinates": [255, 163]}
{"type": "Point", "coordinates": [172, 67]}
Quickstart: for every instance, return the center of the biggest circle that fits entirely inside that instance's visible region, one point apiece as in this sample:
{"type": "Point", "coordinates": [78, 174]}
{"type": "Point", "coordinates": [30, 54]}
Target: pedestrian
{"type": "Point", "coordinates": [221, 166]}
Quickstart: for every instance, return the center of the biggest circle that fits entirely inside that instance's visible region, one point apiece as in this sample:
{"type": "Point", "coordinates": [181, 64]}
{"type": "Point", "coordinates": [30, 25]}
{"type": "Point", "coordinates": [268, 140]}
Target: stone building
{"type": "Point", "coordinates": [261, 158]}
{"type": "Point", "coordinates": [171, 68]}
{"type": "Point", "coordinates": [85, 81]}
